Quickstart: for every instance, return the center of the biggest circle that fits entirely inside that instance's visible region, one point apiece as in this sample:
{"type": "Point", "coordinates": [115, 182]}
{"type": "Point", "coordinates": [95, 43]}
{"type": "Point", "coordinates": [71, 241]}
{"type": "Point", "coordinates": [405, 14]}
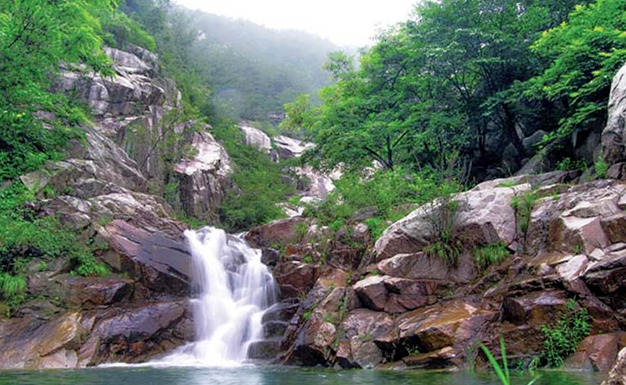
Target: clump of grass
{"type": "Point", "coordinates": [502, 371]}
{"type": "Point", "coordinates": [523, 205]}
{"type": "Point", "coordinates": [487, 255]}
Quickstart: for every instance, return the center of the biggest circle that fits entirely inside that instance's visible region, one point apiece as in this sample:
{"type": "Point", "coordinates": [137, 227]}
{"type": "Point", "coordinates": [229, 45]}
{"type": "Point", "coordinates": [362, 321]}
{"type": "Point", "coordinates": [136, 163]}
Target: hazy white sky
{"type": "Point", "coordinates": [345, 22]}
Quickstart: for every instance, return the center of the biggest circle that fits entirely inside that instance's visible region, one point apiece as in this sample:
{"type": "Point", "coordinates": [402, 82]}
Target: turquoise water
{"type": "Point", "coordinates": [273, 376]}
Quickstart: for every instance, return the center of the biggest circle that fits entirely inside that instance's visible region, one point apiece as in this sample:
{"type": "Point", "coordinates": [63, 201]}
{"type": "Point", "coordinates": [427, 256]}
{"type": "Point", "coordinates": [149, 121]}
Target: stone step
{"type": "Point", "coordinates": [274, 328]}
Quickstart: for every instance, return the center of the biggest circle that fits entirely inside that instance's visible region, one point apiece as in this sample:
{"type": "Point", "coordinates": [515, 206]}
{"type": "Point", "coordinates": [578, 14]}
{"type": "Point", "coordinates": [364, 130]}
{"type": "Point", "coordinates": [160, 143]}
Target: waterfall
{"type": "Point", "coordinates": [234, 289]}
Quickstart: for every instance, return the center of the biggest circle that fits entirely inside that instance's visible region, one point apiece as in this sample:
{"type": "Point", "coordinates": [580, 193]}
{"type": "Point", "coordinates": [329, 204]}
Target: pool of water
{"type": "Point", "coordinates": [275, 376]}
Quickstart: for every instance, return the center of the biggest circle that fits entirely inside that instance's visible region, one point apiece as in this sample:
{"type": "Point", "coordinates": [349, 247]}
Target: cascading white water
{"type": "Point", "coordinates": [235, 288]}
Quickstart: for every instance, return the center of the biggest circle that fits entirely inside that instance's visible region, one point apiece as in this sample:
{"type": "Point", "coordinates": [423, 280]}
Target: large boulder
{"type": "Point", "coordinates": [136, 334]}
{"type": "Point", "coordinates": [256, 138]}
{"type": "Point", "coordinates": [483, 216]}
{"type": "Point", "coordinates": [614, 134]}
{"type": "Point", "coordinates": [33, 344]}
{"type": "Point", "coordinates": [288, 148]}
{"type": "Point", "coordinates": [159, 263]}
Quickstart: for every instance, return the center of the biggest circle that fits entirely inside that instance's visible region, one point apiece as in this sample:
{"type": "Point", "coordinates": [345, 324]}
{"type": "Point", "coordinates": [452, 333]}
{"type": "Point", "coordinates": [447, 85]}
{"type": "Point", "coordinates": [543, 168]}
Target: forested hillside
{"type": "Point", "coordinates": [499, 85]}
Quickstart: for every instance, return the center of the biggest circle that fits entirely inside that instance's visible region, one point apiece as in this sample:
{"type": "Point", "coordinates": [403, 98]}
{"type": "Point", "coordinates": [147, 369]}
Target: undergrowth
{"type": "Point", "coordinates": [25, 236]}
{"type": "Point", "coordinates": [562, 339]}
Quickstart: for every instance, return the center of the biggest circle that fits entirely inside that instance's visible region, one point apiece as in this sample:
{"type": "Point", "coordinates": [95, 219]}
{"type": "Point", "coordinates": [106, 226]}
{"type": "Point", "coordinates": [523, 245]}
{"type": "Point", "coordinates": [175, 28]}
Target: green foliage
{"type": "Point", "coordinates": [601, 168]}
{"type": "Point", "coordinates": [448, 251]}
{"type": "Point", "coordinates": [120, 30]}
{"type": "Point", "coordinates": [523, 205]}
{"type": "Point", "coordinates": [24, 236]}
{"type": "Point", "coordinates": [35, 38]}
{"type": "Point", "coordinates": [584, 54]}
{"type": "Point", "coordinates": [259, 184]}
{"type": "Point", "coordinates": [376, 227]}
{"type": "Point", "coordinates": [487, 255]}
{"type": "Point", "coordinates": [562, 339]}
{"type": "Point", "coordinates": [567, 164]}
{"type": "Point", "coordinates": [12, 288]}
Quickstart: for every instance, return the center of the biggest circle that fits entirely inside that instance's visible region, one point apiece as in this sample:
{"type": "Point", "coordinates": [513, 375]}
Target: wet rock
{"type": "Point", "coordinates": [438, 359]}
{"type": "Point", "coordinates": [133, 335]}
{"type": "Point", "coordinates": [264, 350]}
{"type": "Point", "coordinates": [535, 309]}
{"type": "Point", "coordinates": [159, 263]}
{"type": "Point", "coordinates": [368, 334]}
{"type": "Point", "coordinates": [448, 324]}
{"type": "Point", "coordinates": [30, 343]}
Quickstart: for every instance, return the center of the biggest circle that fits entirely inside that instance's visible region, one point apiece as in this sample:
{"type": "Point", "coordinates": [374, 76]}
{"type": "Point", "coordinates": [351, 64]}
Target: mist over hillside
{"type": "Point", "coordinates": [253, 70]}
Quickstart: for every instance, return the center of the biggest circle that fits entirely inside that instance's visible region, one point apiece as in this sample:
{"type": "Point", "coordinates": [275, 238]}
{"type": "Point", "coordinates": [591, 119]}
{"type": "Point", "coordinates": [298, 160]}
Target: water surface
{"type": "Point", "coordinates": [274, 376]}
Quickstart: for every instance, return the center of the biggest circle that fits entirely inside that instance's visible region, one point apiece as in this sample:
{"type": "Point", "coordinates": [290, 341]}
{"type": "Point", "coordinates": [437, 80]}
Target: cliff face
{"type": "Point", "coordinates": [106, 195]}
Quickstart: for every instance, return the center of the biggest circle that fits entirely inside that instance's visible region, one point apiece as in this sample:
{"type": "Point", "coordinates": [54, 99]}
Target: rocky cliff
{"type": "Point", "coordinates": [106, 193]}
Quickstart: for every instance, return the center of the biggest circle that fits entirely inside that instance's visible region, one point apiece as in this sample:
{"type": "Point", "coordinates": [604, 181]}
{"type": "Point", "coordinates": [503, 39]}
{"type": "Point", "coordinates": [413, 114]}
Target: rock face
{"type": "Point", "coordinates": [254, 137]}
{"type": "Point", "coordinates": [614, 134]}
{"type": "Point", "coordinates": [288, 148]}
{"type": "Point", "coordinates": [104, 194]}
{"type": "Point", "coordinates": [204, 179]}
{"type": "Point", "coordinates": [402, 306]}
{"type": "Point", "coordinates": [138, 108]}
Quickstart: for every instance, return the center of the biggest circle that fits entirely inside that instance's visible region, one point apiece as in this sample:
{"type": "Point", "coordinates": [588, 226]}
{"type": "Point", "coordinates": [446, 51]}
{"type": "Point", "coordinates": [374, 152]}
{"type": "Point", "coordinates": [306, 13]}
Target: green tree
{"type": "Point", "coordinates": [584, 55]}
{"type": "Point", "coordinates": [35, 38]}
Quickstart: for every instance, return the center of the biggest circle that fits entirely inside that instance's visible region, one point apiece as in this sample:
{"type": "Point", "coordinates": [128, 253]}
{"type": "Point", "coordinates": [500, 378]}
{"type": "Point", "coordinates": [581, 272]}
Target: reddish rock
{"type": "Point", "coordinates": [31, 343]}
{"type": "Point", "coordinates": [295, 279]}
{"type": "Point", "coordinates": [448, 324]}
{"type": "Point", "coordinates": [597, 353]}
{"type": "Point", "coordinates": [89, 293]}
{"type": "Point", "coordinates": [534, 309]}
{"type": "Point", "coordinates": [615, 227]}
{"type": "Point", "coordinates": [133, 335]}
{"type": "Point", "coordinates": [282, 231]}
{"type": "Point", "coordinates": [438, 359]}
{"type": "Point", "coordinates": [617, 375]}
{"type": "Point", "coordinates": [421, 266]}
{"type": "Point", "coordinates": [372, 292]}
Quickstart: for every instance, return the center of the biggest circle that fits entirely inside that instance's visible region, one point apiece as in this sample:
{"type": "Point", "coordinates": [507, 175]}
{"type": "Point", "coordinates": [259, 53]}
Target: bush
{"type": "Point", "coordinates": [23, 236]}
{"type": "Point", "coordinates": [260, 187]}
{"type": "Point", "coordinates": [562, 339]}
{"type": "Point", "coordinates": [390, 194]}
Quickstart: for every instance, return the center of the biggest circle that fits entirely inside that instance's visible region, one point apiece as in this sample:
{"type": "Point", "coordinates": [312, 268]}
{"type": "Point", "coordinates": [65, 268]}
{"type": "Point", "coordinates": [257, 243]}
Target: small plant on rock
{"type": "Point", "coordinates": [487, 255]}
{"type": "Point", "coordinates": [562, 339]}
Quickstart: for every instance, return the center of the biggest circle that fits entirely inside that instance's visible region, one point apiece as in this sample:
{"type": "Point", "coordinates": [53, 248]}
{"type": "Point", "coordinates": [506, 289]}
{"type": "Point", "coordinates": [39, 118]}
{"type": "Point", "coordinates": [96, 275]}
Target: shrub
{"type": "Point", "coordinates": [259, 184]}
{"type": "Point", "coordinates": [562, 340]}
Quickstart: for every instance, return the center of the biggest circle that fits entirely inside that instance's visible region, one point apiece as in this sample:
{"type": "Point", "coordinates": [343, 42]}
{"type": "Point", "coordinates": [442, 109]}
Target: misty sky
{"type": "Point", "coordinates": [345, 22]}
